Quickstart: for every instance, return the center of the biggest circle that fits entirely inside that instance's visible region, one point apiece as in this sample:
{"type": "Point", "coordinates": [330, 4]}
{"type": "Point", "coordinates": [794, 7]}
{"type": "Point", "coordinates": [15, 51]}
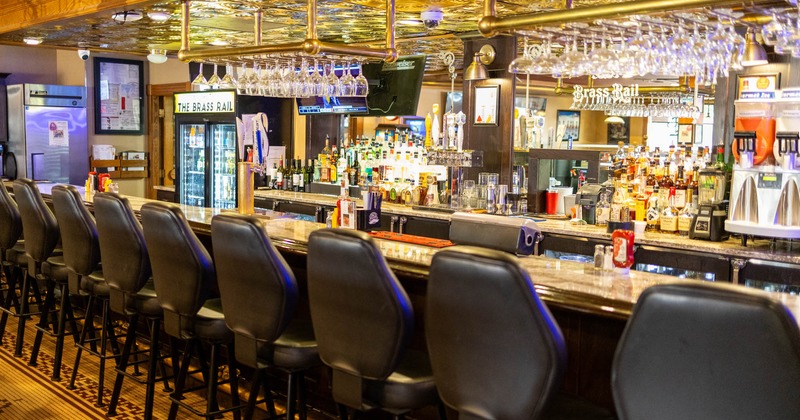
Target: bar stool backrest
{"type": "Point", "coordinates": [10, 222]}
{"type": "Point", "coordinates": [707, 351]}
{"type": "Point", "coordinates": [38, 222]}
{"type": "Point", "coordinates": [123, 251]}
{"type": "Point", "coordinates": [78, 230]}
{"type": "Point", "coordinates": [183, 271]}
{"type": "Point", "coordinates": [257, 286]}
{"type": "Point", "coordinates": [362, 317]}
{"type": "Point", "coordinates": [495, 349]}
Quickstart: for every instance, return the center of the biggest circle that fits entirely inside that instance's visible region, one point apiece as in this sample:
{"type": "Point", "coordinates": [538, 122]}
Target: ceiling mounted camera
{"type": "Point", "coordinates": [431, 18]}
{"type": "Point", "coordinates": [84, 54]}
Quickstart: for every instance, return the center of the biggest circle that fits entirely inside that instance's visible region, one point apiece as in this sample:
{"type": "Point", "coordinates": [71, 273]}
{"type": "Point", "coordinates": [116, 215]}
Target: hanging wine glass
{"type": "Point", "coordinates": [362, 85]}
{"type": "Point", "coordinates": [200, 82]}
{"type": "Point", "coordinates": [241, 80]}
{"type": "Point", "coordinates": [227, 81]}
{"type": "Point", "coordinates": [213, 82]}
{"type": "Point", "coordinates": [333, 86]}
{"type": "Point", "coordinates": [347, 81]}
{"type": "Point", "coordinates": [318, 81]}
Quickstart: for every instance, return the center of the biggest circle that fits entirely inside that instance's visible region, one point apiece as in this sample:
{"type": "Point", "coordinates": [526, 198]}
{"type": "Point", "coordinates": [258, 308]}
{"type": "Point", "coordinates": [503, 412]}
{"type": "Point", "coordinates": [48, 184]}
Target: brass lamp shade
{"type": "Point", "coordinates": [476, 70]}
{"type": "Point", "coordinates": [754, 53]}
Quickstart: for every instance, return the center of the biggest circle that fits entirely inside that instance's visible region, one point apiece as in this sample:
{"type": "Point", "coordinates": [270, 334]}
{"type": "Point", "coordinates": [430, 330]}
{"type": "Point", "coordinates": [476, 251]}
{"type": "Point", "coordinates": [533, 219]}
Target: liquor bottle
{"type": "Point", "coordinates": [333, 174]}
{"type": "Point", "coordinates": [669, 216]}
{"type": "Point", "coordinates": [617, 201]}
{"type": "Point", "coordinates": [327, 149]}
{"type": "Point", "coordinates": [685, 218]}
{"type": "Point", "coordinates": [317, 171]}
{"type": "Point", "coordinates": [630, 204]}
{"type": "Point", "coordinates": [680, 190]}
{"type": "Point", "coordinates": [279, 175]}
{"type": "Point", "coordinates": [287, 175]}
{"type": "Point", "coordinates": [273, 175]}
{"type": "Point", "coordinates": [355, 172]}
{"type": "Point", "coordinates": [653, 213]}
{"type": "Point", "coordinates": [308, 174]}
{"type": "Point", "coordinates": [650, 182]}
{"type": "Point", "coordinates": [324, 169]}
{"type": "Point", "coordinates": [297, 175]}
{"type": "Point", "coordinates": [602, 210]}
{"type": "Point", "coordinates": [664, 188]}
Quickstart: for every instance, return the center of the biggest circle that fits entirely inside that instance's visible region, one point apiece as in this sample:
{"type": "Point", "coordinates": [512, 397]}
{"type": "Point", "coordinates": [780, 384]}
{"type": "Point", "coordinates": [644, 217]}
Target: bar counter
{"type": "Point", "coordinates": [567, 284]}
{"type": "Point", "coordinates": [590, 306]}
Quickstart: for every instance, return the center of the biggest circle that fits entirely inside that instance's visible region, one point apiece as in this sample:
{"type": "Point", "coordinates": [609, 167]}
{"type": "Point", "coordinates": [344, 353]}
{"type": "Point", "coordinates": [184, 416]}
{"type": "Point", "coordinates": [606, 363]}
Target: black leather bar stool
{"type": "Point", "coordinates": [12, 258]}
{"type": "Point", "coordinates": [707, 351]}
{"type": "Point", "coordinates": [44, 264]}
{"type": "Point", "coordinates": [126, 265]}
{"type": "Point", "coordinates": [184, 275]}
{"type": "Point", "coordinates": [363, 321]}
{"type": "Point", "coordinates": [496, 351]}
{"type": "Point", "coordinates": [81, 252]}
{"type": "Point", "coordinates": [259, 295]}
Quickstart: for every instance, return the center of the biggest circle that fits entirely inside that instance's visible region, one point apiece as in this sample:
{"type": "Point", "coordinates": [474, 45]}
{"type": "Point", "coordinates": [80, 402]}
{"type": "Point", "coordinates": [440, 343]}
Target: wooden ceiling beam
{"type": "Point", "coordinates": [20, 14]}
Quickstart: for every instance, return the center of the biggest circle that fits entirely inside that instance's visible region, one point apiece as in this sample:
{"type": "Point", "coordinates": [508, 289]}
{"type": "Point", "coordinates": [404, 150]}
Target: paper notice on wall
{"type": "Point", "coordinates": [58, 133]}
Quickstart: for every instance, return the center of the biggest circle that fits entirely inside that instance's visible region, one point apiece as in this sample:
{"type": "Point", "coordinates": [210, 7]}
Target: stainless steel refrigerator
{"type": "Point", "coordinates": [47, 132]}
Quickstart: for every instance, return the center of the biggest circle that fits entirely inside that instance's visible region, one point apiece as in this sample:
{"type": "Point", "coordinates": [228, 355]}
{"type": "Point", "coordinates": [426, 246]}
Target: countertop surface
{"type": "Point", "coordinates": [776, 251]}
{"type": "Point", "coordinates": [566, 283]}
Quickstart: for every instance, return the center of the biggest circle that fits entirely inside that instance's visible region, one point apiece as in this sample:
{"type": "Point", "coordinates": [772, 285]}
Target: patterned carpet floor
{"type": "Point", "coordinates": [27, 392]}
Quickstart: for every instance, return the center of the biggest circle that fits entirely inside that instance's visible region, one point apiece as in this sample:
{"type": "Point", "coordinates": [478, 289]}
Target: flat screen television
{"type": "Point", "coordinates": [317, 105]}
{"type": "Point", "coordinates": [394, 87]}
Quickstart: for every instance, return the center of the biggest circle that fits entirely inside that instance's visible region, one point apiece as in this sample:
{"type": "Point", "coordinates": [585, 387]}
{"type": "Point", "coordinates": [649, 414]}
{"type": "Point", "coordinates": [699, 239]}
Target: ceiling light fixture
{"type": "Point", "coordinates": [614, 120]}
{"type": "Point", "coordinates": [32, 41]}
{"type": "Point", "coordinates": [477, 69]}
{"type": "Point", "coordinates": [127, 16]}
{"type": "Point", "coordinates": [754, 53]}
{"type": "Point", "coordinates": [158, 16]}
{"type": "Point", "coordinates": [157, 56]}
{"type": "Point", "coordinates": [219, 43]}
{"type": "Point", "coordinates": [410, 22]}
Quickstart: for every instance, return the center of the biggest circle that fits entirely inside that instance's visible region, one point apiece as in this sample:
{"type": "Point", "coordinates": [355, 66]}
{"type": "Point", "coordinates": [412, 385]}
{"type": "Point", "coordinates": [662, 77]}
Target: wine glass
{"type": "Point", "coordinates": [213, 82]}
{"type": "Point", "coordinates": [333, 87]}
{"type": "Point", "coordinates": [362, 85]}
{"type": "Point", "coordinates": [227, 81]}
{"type": "Point", "coordinates": [318, 81]}
{"type": "Point", "coordinates": [200, 82]}
{"type": "Point", "coordinates": [347, 82]}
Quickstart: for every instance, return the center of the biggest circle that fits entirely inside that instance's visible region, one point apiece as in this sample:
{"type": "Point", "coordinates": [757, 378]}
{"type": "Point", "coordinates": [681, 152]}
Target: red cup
{"type": "Point", "coordinates": [552, 202]}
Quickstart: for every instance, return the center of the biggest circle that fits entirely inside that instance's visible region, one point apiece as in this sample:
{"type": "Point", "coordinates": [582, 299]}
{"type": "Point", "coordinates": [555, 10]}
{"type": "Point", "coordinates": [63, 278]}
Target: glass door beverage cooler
{"type": "Point", "coordinates": [208, 141]}
{"type": "Point", "coordinates": [206, 152]}
{"type": "Point", "coordinates": [206, 164]}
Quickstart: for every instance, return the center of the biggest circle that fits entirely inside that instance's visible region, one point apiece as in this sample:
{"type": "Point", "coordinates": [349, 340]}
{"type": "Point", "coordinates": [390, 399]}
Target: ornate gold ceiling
{"type": "Point", "coordinates": [346, 21]}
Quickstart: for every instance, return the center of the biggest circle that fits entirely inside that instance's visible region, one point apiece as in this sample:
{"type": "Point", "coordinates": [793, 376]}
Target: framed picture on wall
{"type": "Point", "coordinates": [568, 124]}
{"type": "Point", "coordinates": [685, 133]}
{"type": "Point", "coordinates": [118, 96]}
{"type": "Point", "coordinates": [619, 131]}
{"type": "Point", "coordinates": [487, 102]}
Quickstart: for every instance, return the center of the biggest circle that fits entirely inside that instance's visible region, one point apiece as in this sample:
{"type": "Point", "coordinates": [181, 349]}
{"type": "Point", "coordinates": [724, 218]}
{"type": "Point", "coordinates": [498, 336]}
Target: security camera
{"type": "Point", "coordinates": [84, 54]}
{"type": "Point", "coordinates": [431, 18]}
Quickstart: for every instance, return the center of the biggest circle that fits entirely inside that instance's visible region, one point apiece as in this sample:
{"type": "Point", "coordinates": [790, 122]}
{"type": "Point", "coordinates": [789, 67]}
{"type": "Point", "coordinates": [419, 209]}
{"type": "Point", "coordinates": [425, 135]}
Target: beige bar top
{"type": "Point", "coordinates": [567, 284]}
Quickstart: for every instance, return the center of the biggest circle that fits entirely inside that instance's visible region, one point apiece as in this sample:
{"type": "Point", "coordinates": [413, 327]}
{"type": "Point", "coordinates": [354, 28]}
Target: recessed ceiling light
{"type": "Point", "coordinates": [32, 41]}
{"type": "Point", "coordinates": [158, 16]}
{"type": "Point", "coordinates": [219, 43]}
{"type": "Point", "coordinates": [127, 16]}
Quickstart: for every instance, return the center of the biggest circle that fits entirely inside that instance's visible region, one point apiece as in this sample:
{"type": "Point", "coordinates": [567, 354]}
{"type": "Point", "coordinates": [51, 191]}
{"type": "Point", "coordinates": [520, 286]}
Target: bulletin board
{"type": "Point", "coordinates": [118, 96]}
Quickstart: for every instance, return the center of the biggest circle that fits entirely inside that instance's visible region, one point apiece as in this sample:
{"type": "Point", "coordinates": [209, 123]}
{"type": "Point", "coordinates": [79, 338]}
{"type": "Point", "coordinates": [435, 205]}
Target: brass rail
{"type": "Point", "coordinates": [491, 25]}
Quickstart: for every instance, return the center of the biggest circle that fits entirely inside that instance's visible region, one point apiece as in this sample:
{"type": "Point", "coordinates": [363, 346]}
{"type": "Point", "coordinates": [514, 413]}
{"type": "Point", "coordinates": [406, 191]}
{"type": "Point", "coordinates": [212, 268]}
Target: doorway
{"type": "Point", "coordinates": [161, 138]}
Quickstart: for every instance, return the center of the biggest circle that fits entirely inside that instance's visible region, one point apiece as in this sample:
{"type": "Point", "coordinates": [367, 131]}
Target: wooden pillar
{"type": "Point", "coordinates": [494, 140]}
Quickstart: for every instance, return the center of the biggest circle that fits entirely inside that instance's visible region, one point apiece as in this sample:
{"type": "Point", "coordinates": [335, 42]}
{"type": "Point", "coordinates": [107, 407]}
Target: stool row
{"type": "Point", "coordinates": [690, 350]}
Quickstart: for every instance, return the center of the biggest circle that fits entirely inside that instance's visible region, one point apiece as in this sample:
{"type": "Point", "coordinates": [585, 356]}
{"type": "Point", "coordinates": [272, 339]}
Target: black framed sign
{"type": "Point", "coordinates": [118, 96]}
{"type": "Point", "coordinates": [487, 102]}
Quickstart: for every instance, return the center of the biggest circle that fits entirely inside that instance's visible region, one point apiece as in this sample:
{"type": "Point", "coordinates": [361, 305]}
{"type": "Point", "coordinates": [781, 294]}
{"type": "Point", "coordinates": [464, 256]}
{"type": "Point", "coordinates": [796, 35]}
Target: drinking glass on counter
{"type": "Point", "coordinates": [468, 192]}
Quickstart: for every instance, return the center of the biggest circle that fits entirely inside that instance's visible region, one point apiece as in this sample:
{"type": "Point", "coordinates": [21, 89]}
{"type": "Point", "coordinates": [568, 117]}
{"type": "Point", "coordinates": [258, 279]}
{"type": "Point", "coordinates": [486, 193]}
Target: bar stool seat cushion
{"type": "Point", "coordinates": [145, 301]}
{"type": "Point", "coordinates": [16, 255]}
{"type": "Point", "coordinates": [56, 269]}
{"type": "Point", "coordinates": [209, 323]}
{"type": "Point", "coordinates": [296, 348]}
{"type": "Point", "coordinates": [95, 284]}
{"type": "Point", "coordinates": [410, 385]}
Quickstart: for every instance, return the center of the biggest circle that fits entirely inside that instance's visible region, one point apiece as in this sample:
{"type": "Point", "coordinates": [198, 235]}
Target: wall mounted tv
{"type": "Point", "coordinates": [394, 87]}
{"type": "Point", "coordinates": [316, 105]}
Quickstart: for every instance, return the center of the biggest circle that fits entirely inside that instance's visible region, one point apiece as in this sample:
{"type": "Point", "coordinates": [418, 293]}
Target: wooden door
{"type": "Point", "coordinates": [161, 138]}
